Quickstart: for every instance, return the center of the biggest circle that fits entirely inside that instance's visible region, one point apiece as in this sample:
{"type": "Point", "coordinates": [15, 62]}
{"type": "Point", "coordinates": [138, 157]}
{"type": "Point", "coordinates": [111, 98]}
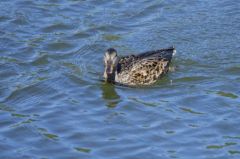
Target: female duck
{"type": "Point", "coordinates": [133, 70]}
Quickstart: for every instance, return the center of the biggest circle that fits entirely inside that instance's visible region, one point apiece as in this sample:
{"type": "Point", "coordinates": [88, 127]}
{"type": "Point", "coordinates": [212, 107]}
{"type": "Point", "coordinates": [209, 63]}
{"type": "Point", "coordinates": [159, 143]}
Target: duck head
{"type": "Point", "coordinates": [111, 62]}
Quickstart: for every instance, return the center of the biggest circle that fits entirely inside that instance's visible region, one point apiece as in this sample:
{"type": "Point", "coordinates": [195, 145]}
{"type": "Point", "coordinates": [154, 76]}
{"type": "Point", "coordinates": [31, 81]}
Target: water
{"type": "Point", "coordinates": [53, 103]}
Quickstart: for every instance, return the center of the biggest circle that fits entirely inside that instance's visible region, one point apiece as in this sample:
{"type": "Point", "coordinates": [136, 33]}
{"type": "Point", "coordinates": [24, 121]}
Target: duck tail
{"type": "Point", "coordinates": [174, 50]}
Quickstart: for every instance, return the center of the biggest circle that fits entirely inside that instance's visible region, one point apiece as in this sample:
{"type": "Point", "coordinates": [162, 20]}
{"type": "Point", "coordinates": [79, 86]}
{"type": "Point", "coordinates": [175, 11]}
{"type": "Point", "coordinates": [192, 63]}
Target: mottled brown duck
{"type": "Point", "coordinates": [136, 70]}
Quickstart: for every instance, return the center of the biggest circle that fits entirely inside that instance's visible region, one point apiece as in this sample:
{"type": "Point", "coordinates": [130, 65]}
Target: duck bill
{"type": "Point", "coordinates": [109, 75]}
{"type": "Point", "coordinates": [109, 70]}
{"type": "Point", "coordinates": [110, 78]}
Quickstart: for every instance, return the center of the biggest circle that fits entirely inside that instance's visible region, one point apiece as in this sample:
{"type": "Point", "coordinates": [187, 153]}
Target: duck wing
{"type": "Point", "coordinates": [143, 71]}
{"type": "Point", "coordinates": [148, 70]}
{"type": "Point", "coordinates": [127, 62]}
{"type": "Point", "coordinates": [166, 54]}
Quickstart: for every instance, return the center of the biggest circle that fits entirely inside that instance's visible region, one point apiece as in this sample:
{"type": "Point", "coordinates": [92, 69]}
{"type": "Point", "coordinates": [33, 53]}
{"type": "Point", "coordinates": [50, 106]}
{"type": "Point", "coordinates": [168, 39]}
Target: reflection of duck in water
{"type": "Point", "coordinates": [110, 95]}
{"type": "Point", "coordinates": [142, 69]}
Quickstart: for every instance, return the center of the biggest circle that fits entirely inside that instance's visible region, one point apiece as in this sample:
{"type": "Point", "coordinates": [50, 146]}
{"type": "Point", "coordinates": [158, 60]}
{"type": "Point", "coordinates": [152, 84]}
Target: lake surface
{"type": "Point", "coordinates": [54, 104]}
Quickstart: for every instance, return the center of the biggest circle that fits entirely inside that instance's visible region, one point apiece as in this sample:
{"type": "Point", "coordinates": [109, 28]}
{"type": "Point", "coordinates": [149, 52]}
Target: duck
{"type": "Point", "coordinates": [137, 70]}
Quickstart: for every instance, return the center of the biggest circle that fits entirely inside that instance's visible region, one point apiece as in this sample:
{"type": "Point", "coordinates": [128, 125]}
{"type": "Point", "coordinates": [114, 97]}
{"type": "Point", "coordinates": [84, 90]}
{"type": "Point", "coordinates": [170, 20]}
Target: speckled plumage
{"type": "Point", "coordinates": [143, 69]}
